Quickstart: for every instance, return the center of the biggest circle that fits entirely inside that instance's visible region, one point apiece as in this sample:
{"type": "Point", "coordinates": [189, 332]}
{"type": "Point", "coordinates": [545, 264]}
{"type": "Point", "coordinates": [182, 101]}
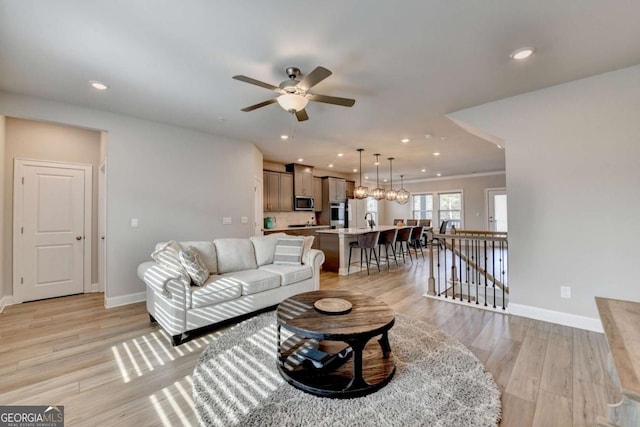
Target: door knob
{"type": "Point", "coordinates": [78, 237]}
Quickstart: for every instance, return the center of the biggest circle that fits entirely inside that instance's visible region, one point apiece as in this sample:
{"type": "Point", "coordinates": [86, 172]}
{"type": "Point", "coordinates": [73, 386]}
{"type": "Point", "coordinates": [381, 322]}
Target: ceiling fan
{"type": "Point", "coordinates": [294, 94]}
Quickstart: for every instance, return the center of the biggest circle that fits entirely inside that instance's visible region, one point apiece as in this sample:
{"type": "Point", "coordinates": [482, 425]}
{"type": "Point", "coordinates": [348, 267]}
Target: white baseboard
{"type": "Point", "coordinates": [5, 301]}
{"type": "Point", "coordinates": [124, 299]}
{"type": "Point", "coordinates": [566, 319]}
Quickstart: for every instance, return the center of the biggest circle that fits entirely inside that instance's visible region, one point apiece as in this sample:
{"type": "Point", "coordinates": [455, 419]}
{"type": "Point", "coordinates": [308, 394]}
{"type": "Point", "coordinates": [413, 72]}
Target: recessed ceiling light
{"type": "Point", "coordinates": [98, 85]}
{"type": "Point", "coordinates": [340, 154]}
{"type": "Point", "coordinates": [366, 177]}
{"type": "Point", "coordinates": [284, 137]}
{"type": "Point", "coordinates": [436, 154]}
{"type": "Point", "coordinates": [428, 135]}
{"type": "Point", "coordinates": [523, 53]}
{"type": "Point", "coordinates": [423, 170]}
{"type": "Point", "coordinates": [438, 174]}
{"type": "Point", "coordinates": [405, 140]}
{"type": "Point", "coordinates": [384, 180]}
{"type": "Point", "coordinates": [330, 165]}
{"type": "Point", "coordinates": [301, 159]}
{"type": "Point", "coordinates": [355, 170]}
{"type": "Point", "coordinates": [500, 147]}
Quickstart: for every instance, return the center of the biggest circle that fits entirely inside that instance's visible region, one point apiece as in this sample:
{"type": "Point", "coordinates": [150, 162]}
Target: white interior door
{"type": "Point", "coordinates": [497, 210]}
{"type": "Point", "coordinates": [50, 225]}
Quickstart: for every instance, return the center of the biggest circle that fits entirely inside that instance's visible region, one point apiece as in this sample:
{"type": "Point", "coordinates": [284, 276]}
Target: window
{"type": "Point", "coordinates": [438, 207]}
{"type": "Point", "coordinates": [422, 206]}
{"type": "Point", "coordinates": [450, 207]}
{"type": "Point", "coordinates": [372, 206]}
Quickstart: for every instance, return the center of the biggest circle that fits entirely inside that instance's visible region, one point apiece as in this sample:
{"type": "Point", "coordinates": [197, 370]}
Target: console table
{"type": "Point", "coordinates": [620, 321]}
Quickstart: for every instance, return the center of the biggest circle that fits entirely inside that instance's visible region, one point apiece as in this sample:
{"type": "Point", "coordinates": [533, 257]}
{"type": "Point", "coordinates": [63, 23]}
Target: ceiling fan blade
{"type": "Point", "coordinates": [313, 78]}
{"type": "Point", "coordinates": [345, 102]}
{"type": "Point", "coordinates": [302, 115]}
{"type": "Point", "coordinates": [256, 82]}
{"type": "Point", "coordinates": [262, 104]}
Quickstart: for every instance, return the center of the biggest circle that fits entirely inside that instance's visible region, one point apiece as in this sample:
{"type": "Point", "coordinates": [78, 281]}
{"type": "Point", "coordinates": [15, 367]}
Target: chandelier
{"type": "Point", "coordinates": [402, 197]}
{"type": "Point", "coordinates": [360, 192]}
{"type": "Point", "coordinates": [391, 194]}
{"type": "Point", "coordinates": [378, 193]}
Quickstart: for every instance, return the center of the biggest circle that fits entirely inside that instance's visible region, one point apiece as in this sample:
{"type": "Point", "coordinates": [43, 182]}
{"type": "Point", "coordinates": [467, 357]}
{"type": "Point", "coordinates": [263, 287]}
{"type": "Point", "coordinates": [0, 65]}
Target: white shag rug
{"type": "Point", "coordinates": [438, 382]}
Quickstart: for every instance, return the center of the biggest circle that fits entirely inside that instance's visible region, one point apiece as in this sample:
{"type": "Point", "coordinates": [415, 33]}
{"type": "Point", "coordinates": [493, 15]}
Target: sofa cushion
{"type": "Point", "coordinates": [265, 247]}
{"type": "Point", "coordinates": [289, 250]}
{"type": "Point", "coordinates": [290, 273]}
{"type": "Point", "coordinates": [234, 255]}
{"type": "Point", "coordinates": [190, 261]}
{"type": "Point", "coordinates": [215, 290]}
{"type": "Point", "coordinates": [253, 281]}
{"type": "Point", "coordinates": [206, 252]}
{"type": "Point", "coordinates": [168, 255]}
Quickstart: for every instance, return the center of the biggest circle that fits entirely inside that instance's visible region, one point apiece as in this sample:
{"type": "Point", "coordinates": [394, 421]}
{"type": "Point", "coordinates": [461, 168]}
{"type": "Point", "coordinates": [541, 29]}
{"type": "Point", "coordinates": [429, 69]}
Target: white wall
{"type": "Point", "coordinates": [179, 184]}
{"type": "Point", "coordinates": [474, 195]}
{"type": "Point", "coordinates": [4, 284]}
{"type": "Point", "coordinates": [573, 179]}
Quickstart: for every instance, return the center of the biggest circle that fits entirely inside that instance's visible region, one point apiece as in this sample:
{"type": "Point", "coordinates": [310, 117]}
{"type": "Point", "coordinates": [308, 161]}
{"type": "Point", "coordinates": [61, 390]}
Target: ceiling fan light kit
{"type": "Point", "coordinates": [294, 94]}
{"type": "Point", "coordinates": [360, 192]}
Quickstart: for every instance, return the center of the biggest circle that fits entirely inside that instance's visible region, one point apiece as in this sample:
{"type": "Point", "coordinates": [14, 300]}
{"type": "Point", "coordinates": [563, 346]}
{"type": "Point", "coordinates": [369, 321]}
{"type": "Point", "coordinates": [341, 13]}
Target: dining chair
{"type": "Point", "coordinates": [366, 241]}
{"type": "Point", "coordinates": [412, 222]}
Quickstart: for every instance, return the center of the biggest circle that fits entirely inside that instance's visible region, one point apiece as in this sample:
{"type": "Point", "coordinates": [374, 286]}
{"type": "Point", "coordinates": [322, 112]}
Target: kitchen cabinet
{"type": "Point", "coordinates": [350, 186]}
{"type": "Point", "coordinates": [277, 194]}
{"type": "Point", "coordinates": [302, 179]}
{"type": "Point", "coordinates": [317, 194]}
{"type": "Point", "coordinates": [334, 190]}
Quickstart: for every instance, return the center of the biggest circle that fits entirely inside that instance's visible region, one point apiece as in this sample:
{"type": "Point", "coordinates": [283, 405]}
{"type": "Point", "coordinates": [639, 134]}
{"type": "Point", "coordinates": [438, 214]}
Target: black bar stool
{"type": "Point", "coordinates": [388, 238]}
{"type": "Point", "coordinates": [416, 239]}
{"type": "Point", "coordinates": [365, 241]}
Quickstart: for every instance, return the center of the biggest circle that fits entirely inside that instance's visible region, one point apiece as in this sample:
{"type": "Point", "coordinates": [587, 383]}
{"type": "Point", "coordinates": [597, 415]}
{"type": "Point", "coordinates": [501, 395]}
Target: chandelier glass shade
{"type": "Point", "coordinates": [390, 194]}
{"type": "Point", "coordinates": [378, 193]}
{"type": "Point", "coordinates": [402, 196]}
{"type": "Point", "coordinates": [360, 192]}
{"type": "Point", "coordinates": [292, 102]}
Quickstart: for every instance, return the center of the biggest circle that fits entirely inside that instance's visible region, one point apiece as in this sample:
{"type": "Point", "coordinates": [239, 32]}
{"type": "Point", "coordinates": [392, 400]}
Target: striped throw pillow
{"type": "Point", "coordinates": [289, 251]}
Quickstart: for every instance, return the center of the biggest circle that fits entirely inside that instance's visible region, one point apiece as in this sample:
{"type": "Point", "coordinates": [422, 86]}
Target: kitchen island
{"type": "Point", "coordinates": [335, 245]}
{"type": "Point", "coordinates": [306, 230]}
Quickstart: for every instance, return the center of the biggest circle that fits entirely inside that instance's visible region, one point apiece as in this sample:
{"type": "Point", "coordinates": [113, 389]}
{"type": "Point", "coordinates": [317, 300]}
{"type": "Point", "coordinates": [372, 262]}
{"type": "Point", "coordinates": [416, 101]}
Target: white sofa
{"type": "Point", "coordinates": [243, 279]}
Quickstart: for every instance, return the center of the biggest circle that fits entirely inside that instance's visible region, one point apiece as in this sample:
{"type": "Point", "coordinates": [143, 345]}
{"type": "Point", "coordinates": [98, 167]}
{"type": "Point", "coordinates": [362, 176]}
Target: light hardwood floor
{"type": "Point", "coordinates": [112, 367]}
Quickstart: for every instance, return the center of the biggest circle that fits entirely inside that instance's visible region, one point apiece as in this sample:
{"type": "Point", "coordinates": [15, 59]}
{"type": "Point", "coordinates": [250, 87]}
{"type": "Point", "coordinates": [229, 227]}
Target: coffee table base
{"type": "Point", "coordinates": [371, 367]}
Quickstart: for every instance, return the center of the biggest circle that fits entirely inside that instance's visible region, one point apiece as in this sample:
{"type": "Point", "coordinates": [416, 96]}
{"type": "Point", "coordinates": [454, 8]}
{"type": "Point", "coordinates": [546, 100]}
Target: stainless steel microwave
{"type": "Point", "coordinates": [303, 203]}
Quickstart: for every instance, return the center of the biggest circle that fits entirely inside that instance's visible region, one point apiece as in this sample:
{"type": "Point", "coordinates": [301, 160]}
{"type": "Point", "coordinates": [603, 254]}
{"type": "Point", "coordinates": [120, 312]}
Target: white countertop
{"type": "Point", "coordinates": [296, 228]}
{"type": "Point", "coordinates": [359, 230]}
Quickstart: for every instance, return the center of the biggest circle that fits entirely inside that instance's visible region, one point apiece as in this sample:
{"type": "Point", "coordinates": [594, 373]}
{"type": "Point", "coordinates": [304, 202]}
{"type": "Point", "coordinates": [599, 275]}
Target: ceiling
{"type": "Point", "coordinates": [406, 63]}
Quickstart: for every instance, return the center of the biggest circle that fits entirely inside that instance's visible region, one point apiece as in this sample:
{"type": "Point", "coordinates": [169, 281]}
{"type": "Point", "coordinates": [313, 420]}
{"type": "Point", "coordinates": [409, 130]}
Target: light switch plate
{"type": "Point", "coordinates": [244, 219]}
{"type": "Point", "coordinates": [134, 222]}
{"type": "Point", "coordinates": [226, 220]}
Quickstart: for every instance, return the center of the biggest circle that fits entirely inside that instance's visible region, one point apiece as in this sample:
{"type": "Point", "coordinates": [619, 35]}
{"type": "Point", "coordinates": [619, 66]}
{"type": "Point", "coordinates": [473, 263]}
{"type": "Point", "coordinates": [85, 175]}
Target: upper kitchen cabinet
{"type": "Point", "coordinates": [277, 191]}
{"type": "Point", "coordinates": [302, 179]}
{"type": "Point", "coordinates": [350, 185]}
{"type": "Point", "coordinates": [334, 189]}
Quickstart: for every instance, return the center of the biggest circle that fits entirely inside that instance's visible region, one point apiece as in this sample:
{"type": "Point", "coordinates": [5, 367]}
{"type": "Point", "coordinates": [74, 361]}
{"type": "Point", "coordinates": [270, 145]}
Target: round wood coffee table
{"type": "Point", "coordinates": [314, 347]}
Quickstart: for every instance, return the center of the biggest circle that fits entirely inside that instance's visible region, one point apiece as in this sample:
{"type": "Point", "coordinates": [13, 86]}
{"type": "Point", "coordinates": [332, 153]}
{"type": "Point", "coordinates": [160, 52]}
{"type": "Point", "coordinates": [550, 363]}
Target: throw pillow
{"type": "Point", "coordinates": [308, 241]}
{"type": "Point", "coordinates": [190, 261]}
{"type": "Point", "coordinates": [168, 255]}
{"type": "Point", "coordinates": [289, 250]}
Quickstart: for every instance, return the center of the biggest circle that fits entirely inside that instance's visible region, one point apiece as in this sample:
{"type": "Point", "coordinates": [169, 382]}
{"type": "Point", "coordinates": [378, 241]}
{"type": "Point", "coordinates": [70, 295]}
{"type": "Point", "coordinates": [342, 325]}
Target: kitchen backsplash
{"type": "Point", "coordinates": [284, 219]}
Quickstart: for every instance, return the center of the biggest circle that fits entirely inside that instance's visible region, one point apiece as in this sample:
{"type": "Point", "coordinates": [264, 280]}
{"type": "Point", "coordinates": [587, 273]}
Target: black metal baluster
{"type": "Point", "coordinates": [438, 255]}
{"type": "Point", "coordinates": [466, 252]}
{"type": "Point", "coordinates": [445, 268]}
{"type": "Point", "coordinates": [485, 273]}
{"type": "Point", "coordinates": [504, 285]}
{"type": "Point", "coordinates": [493, 270]}
{"type": "Point", "coordinates": [477, 270]}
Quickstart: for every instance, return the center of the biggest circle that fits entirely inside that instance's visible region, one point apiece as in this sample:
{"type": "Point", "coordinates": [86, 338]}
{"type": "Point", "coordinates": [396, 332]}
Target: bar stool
{"type": "Point", "coordinates": [404, 235]}
{"type": "Point", "coordinates": [416, 240]}
{"type": "Point", "coordinates": [388, 238]}
{"type": "Point", "coordinates": [412, 222]}
{"type": "Point", "coordinates": [365, 241]}
{"type": "Point", "coordinates": [426, 223]}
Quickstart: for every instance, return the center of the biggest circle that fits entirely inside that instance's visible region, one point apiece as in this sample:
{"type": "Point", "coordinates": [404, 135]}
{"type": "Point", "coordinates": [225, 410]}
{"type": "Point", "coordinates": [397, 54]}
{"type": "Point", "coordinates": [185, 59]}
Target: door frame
{"type": "Point", "coordinates": [102, 226]}
{"type": "Point", "coordinates": [487, 191]}
{"type": "Point", "coordinates": [18, 209]}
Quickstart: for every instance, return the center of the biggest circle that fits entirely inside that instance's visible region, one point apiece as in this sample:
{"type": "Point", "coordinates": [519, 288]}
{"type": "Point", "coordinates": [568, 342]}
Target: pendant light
{"type": "Point", "coordinates": [391, 194]}
{"type": "Point", "coordinates": [360, 192]}
{"type": "Point", "coordinates": [378, 193]}
{"type": "Point", "coordinates": [403, 195]}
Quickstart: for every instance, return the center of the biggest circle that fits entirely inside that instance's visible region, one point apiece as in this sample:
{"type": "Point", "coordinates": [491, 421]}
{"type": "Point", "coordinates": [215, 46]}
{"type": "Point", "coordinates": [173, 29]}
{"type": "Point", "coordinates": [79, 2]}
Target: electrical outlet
{"type": "Point", "coordinates": [244, 219]}
{"type": "Point", "coordinates": [565, 292]}
{"type": "Point", "coordinates": [134, 222]}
